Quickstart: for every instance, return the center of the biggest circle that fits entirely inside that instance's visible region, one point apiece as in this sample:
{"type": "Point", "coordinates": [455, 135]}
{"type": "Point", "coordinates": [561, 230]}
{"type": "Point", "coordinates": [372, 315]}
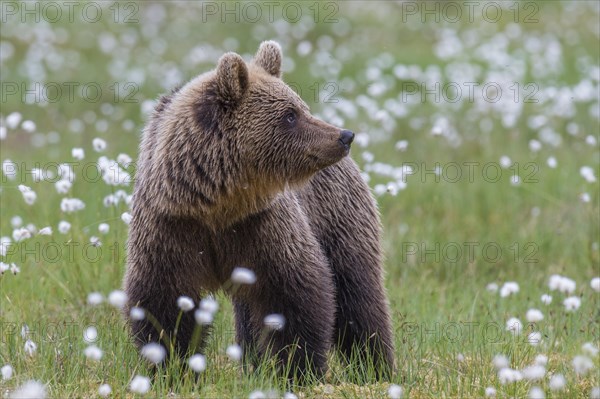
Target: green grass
{"type": "Point", "coordinates": [448, 327]}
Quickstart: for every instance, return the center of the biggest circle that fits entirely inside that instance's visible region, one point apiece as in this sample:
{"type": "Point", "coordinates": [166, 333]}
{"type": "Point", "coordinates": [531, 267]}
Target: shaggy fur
{"type": "Point", "coordinates": [234, 171]}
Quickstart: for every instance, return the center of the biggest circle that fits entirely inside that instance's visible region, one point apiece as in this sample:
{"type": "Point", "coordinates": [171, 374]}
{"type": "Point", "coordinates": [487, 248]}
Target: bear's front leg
{"type": "Point", "coordinates": [290, 311]}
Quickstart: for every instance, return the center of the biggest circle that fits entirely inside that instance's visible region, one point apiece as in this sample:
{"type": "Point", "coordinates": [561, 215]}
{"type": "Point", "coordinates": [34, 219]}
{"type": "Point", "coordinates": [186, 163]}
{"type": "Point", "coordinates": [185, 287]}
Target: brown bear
{"type": "Point", "coordinates": [234, 171]}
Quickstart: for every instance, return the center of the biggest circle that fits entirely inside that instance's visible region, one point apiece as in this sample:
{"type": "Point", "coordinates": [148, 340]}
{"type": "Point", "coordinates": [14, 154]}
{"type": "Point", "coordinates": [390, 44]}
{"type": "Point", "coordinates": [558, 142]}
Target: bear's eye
{"type": "Point", "coordinates": [290, 118]}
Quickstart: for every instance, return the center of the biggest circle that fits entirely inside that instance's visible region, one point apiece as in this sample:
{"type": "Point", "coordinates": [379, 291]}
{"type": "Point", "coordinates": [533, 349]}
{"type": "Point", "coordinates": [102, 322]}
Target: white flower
{"type": "Point", "coordinates": [557, 382]}
{"type": "Point", "coordinates": [104, 390]}
{"type": "Point", "coordinates": [572, 303]}
{"type": "Point", "coordinates": [500, 362]}
{"type": "Point", "coordinates": [534, 338]}
{"type": "Point", "coordinates": [14, 269]}
{"type": "Point", "coordinates": [95, 241]}
{"type": "Point", "coordinates": [126, 217]}
{"type": "Point", "coordinates": [289, 395]}
{"type": "Point", "coordinates": [13, 119]}
{"type": "Point", "coordinates": [209, 304]}
{"type": "Point", "coordinates": [490, 392]}
{"type": "Point", "coordinates": [542, 360]}
{"type": "Point", "coordinates": [595, 393]}
{"type": "Point", "coordinates": [99, 144]}
{"type": "Point", "coordinates": [241, 275]}
{"type": "Point", "coordinates": [401, 145]}
{"type": "Point", "coordinates": [514, 325]}
{"type": "Point", "coordinates": [185, 303]}
{"type": "Point", "coordinates": [275, 321]}
{"type": "Point", "coordinates": [395, 391]}
{"type": "Point", "coordinates": [69, 205]}
{"type": "Point", "coordinates": [536, 393]}
{"type": "Point", "coordinates": [29, 390]}
{"type": "Point", "coordinates": [590, 348]}
{"type": "Point", "coordinates": [28, 126]}
{"type": "Point", "coordinates": [588, 174]}
{"type": "Point", "coordinates": [30, 347]}
{"type": "Point", "coordinates": [95, 298]}
{"type": "Point", "coordinates": [46, 231]}
{"type": "Point", "coordinates": [63, 186]}
{"type": "Point", "coordinates": [552, 163]}
{"type": "Point", "coordinates": [117, 298]}
{"type": "Point", "coordinates": [582, 364]}
{"type": "Point", "coordinates": [4, 243]}
{"type": "Point", "coordinates": [21, 234]}
{"type": "Point", "coordinates": [203, 317]}
{"type": "Point", "coordinates": [92, 352]}
{"type": "Point", "coordinates": [103, 228]}
{"type": "Point", "coordinates": [257, 395]}
{"type": "Point", "coordinates": [492, 287]}
{"type": "Point", "coordinates": [154, 352]}
{"type": "Point", "coordinates": [508, 375]}
{"type": "Point", "coordinates": [137, 313]}
{"type": "Point", "coordinates": [585, 197]}
{"type": "Point", "coordinates": [546, 299]}
{"type": "Point", "coordinates": [508, 288]}
{"type": "Point", "coordinates": [534, 315]}
{"type": "Point", "coordinates": [29, 196]}
{"type": "Point", "coordinates": [535, 145]}
{"type": "Point", "coordinates": [139, 384]}
{"type": "Point", "coordinates": [7, 372]}
{"type": "Point", "coordinates": [460, 357]}
{"type": "Point", "coordinates": [64, 227]}
{"type": "Point", "coordinates": [78, 153]}
{"type": "Point", "coordinates": [4, 267]}
{"type": "Point", "coordinates": [124, 160]}
{"type": "Point", "coordinates": [561, 283]}
{"type": "Point", "coordinates": [505, 162]}
{"type": "Point", "coordinates": [534, 373]}
{"type": "Point", "coordinates": [234, 352]}
{"type": "Point", "coordinates": [90, 335]}
{"type": "Point", "coordinates": [197, 363]}
{"type": "Point", "coordinates": [595, 284]}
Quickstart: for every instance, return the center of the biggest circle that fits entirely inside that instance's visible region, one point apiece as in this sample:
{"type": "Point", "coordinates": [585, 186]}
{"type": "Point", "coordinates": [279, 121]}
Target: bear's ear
{"type": "Point", "coordinates": [232, 78]}
{"type": "Point", "coordinates": [268, 57]}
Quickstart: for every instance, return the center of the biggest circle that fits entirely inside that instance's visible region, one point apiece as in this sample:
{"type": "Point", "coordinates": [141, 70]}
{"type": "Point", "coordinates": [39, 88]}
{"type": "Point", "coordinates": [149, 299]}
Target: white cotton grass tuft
{"type": "Point", "coordinates": [126, 217]}
{"type": "Point", "coordinates": [139, 384]}
{"type": "Point", "coordinates": [78, 153]}
{"type": "Point", "coordinates": [257, 395]}
{"type": "Point", "coordinates": [234, 352]}
{"type": "Point", "coordinates": [137, 313]}
{"type": "Point", "coordinates": [508, 375]}
{"type": "Point", "coordinates": [541, 360]}
{"type": "Point", "coordinates": [395, 391]}
{"type": "Point", "coordinates": [64, 227]}
{"type": "Point", "coordinates": [595, 284]}
{"type": "Point", "coordinates": [509, 288]}
{"type": "Point", "coordinates": [289, 395]}
{"type": "Point", "coordinates": [534, 338]}
{"type": "Point", "coordinates": [546, 299]}
{"type": "Point", "coordinates": [197, 363]}
{"type": "Point", "coordinates": [500, 362]}
{"type": "Point", "coordinates": [46, 231]}
{"type": "Point", "coordinates": [95, 298]}
{"type": "Point", "coordinates": [492, 287]}
{"type": "Point", "coordinates": [275, 321]}
{"type": "Point", "coordinates": [99, 144]}
{"type": "Point", "coordinates": [514, 325]}
{"type": "Point", "coordinates": [29, 390]}
{"type": "Point", "coordinates": [117, 298]}
{"type": "Point", "coordinates": [30, 348]}
{"type": "Point", "coordinates": [92, 352]}
{"type": "Point", "coordinates": [582, 365]}
{"type": "Point", "coordinates": [572, 303]}
{"type": "Point", "coordinates": [241, 275]}
{"type": "Point", "coordinates": [7, 372]}
{"type": "Point", "coordinates": [104, 390]}
{"type": "Point", "coordinates": [534, 315]}
{"type": "Point", "coordinates": [490, 392]}
{"type": "Point", "coordinates": [562, 284]}
{"type": "Point", "coordinates": [595, 393]}
{"type": "Point", "coordinates": [557, 382]}
{"type": "Point", "coordinates": [590, 349]}
{"type": "Point", "coordinates": [185, 303]}
{"type": "Point", "coordinates": [153, 352]}
{"type": "Point", "coordinates": [29, 196]}
{"type": "Point", "coordinates": [90, 334]}
{"type": "Point", "coordinates": [587, 173]}
{"type": "Point", "coordinates": [536, 393]}
{"type": "Point", "coordinates": [209, 304]}
{"type": "Point", "coordinates": [103, 228]}
{"type": "Point", "coordinates": [535, 372]}
{"type": "Point", "coordinates": [203, 317]}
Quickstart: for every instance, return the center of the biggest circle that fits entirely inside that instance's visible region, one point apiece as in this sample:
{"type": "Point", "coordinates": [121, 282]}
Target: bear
{"type": "Point", "coordinates": [234, 171]}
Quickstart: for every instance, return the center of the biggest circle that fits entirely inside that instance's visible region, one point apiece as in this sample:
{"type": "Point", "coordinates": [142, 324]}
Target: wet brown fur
{"type": "Point", "coordinates": [224, 180]}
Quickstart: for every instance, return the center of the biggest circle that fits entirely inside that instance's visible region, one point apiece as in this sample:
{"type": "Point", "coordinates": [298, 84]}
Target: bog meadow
{"type": "Point", "coordinates": [477, 128]}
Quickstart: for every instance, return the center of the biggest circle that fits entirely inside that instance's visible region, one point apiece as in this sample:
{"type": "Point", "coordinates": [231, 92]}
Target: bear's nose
{"type": "Point", "coordinates": [346, 137]}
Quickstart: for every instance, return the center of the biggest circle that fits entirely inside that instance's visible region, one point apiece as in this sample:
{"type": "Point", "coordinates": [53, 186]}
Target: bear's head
{"type": "Point", "coordinates": [237, 136]}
